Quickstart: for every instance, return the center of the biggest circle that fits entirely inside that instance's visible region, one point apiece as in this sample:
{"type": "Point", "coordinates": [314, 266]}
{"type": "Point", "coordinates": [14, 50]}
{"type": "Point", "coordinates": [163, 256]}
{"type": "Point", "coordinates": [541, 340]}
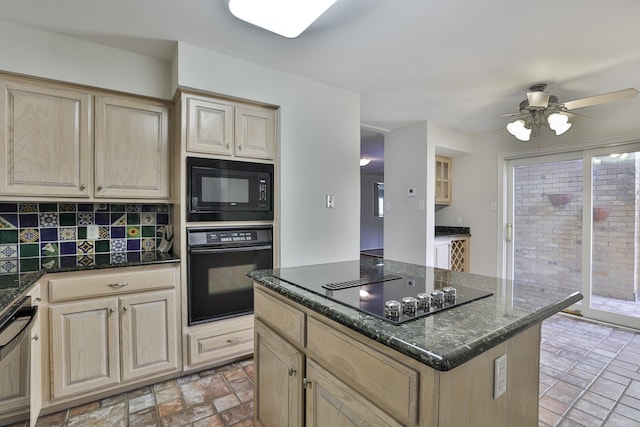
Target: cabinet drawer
{"type": "Point", "coordinates": [223, 340]}
{"type": "Point", "coordinates": [87, 284]}
{"type": "Point", "coordinates": [281, 317]}
{"type": "Point", "coordinates": [380, 378]}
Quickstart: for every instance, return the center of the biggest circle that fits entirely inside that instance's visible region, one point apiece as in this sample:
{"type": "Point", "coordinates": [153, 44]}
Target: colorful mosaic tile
{"type": "Point", "coordinates": [28, 207]}
{"type": "Point", "coordinates": [67, 248]}
{"type": "Point", "coordinates": [29, 235]}
{"type": "Point", "coordinates": [118, 258]}
{"type": "Point", "coordinates": [67, 207]}
{"type": "Point", "coordinates": [85, 218]}
{"type": "Point", "coordinates": [67, 233]}
{"type": "Point", "coordinates": [28, 220]}
{"type": "Point", "coordinates": [104, 232]}
{"type": "Point", "coordinates": [48, 234]}
{"type": "Point", "coordinates": [148, 244]}
{"type": "Point", "coordinates": [85, 247]}
{"type": "Point", "coordinates": [48, 219]}
{"type": "Point", "coordinates": [118, 245]}
{"type": "Point", "coordinates": [133, 232]}
{"type": "Point", "coordinates": [103, 245]}
{"type": "Point", "coordinates": [49, 249]}
{"type": "Point", "coordinates": [8, 251]}
{"type": "Point", "coordinates": [118, 218]}
{"type": "Point", "coordinates": [148, 218]}
{"type": "Point", "coordinates": [8, 220]}
{"type": "Point", "coordinates": [49, 263]}
{"type": "Point", "coordinates": [133, 245]}
{"type": "Point", "coordinates": [86, 260]}
{"type": "Point", "coordinates": [29, 250]}
{"type": "Point", "coordinates": [134, 208]}
{"type": "Point", "coordinates": [29, 264]}
{"type": "Point", "coordinates": [8, 236]}
{"type": "Point", "coordinates": [118, 232]}
{"type": "Point", "coordinates": [68, 219]}
{"type": "Point", "coordinates": [9, 266]}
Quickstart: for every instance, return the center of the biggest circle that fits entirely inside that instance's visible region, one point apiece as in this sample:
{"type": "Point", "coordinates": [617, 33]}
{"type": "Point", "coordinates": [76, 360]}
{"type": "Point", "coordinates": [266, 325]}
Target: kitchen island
{"type": "Point", "coordinates": [335, 351]}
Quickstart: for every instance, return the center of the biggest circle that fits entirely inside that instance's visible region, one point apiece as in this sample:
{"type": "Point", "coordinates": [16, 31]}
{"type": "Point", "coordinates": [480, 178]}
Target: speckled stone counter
{"type": "Point", "coordinates": [14, 287]}
{"type": "Point", "coordinates": [448, 338]}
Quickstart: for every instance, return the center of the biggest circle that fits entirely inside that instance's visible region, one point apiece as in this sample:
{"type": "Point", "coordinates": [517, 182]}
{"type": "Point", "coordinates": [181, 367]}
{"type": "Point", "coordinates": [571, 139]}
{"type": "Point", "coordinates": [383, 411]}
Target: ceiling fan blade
{"type": "Point", "coordinates": [605, 98]}
{"type": "Point", "coordinates": [512, 114]}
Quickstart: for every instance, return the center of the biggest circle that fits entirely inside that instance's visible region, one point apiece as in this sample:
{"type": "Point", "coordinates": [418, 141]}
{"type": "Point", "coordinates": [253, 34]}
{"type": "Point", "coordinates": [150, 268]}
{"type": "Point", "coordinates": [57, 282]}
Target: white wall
{"type": "Point", "coordinates": [25, 50]}
{"type": "Point", "coordinates": [371, 227]}
{"type": "Point", "coordinates": [405, 221]}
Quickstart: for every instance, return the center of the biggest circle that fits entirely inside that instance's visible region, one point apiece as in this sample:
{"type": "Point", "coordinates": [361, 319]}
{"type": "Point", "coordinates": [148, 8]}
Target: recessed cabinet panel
{"type": "Point", "coordinates": [44, 140]}
{"type": "Point", "coordinates": [210, 127]}
{"type": "Point", "coordinates": [84, 338]}
{"type": "Point", "coordinates": [149, 335]}
{"type": "Point", "coordinates": [131, 145]}
{"type": "Point", "coordinates": [255, 132]}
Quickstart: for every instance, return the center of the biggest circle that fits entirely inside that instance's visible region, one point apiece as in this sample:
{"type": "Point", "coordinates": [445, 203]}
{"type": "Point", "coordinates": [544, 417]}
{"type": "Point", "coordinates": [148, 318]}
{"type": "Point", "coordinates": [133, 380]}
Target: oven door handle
{"type": "Point", "coordinates": [228, 249]}
{"type": "Point", "coordinates": [18, 333]}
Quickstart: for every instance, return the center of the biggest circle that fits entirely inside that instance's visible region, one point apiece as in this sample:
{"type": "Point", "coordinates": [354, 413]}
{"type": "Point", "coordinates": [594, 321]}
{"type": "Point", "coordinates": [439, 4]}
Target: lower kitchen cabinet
{"type": "Point", "coordinates": [280, 369]}
{"type": "Point", "coordinates": [452, 253]}
{"type": "Point", "coordinates": [111, 328]}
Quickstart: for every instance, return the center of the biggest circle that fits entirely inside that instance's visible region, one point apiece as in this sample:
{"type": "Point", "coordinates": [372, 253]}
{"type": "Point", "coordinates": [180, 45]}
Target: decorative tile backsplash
{"type": "Point", "coordinates": [40, 235]}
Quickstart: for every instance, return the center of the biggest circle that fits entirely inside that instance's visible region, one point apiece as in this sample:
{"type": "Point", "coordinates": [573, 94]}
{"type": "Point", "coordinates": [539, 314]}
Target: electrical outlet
{"type": "Point", "coordinates": [93, 232]}
{"type": "Point", "coordinates": [458, 220]}
{"type": "Point", "coordinates": [500, 376]}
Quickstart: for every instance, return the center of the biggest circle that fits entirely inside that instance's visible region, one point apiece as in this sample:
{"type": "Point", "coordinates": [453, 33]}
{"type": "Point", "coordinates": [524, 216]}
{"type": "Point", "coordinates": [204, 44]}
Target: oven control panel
{"type": "Point", "coordinates": [230, 236]}
{"type": "Point", "coordinates": [225, 236]}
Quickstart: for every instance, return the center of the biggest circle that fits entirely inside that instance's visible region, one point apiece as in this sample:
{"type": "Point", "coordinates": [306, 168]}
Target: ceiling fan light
{"type": "Point", "coordinates": [519, 130]}
{"type": "Point", "coordinates": [364, 162]}
{"type": "Point", "coordinates": [559, 123]}
{"type": "Point", "coordinates": [288, 18]}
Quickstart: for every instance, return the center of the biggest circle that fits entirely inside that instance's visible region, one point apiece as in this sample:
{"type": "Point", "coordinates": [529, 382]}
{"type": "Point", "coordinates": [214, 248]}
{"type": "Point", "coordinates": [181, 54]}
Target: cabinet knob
{"type": "Point", "coordinates": [37, 300]}
{"type": "Point", "coordinates": [82, 186]}
{"type": "Point", "coordinates": [111, 310]}
{"type": "Point", "coordinates": [236, 339]}
{"type": "Point", "coordinates": [125, 308]}
{"type": "Point", "coordinates": [99, 188]}
{"type": "Point", "coordinates": [35, 337]}
{"type": "Point", "coordinates": [292, 371]}
{"type": "Point", "coordinates": [239, 147]}
{"type": "Point", "coordinates": [305, 383]}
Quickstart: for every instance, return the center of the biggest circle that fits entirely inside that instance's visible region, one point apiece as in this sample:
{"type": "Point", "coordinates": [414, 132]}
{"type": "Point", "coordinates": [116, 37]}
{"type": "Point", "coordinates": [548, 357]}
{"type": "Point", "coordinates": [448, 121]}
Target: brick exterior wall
{"type": "Point", "coordinates": [548, 239]}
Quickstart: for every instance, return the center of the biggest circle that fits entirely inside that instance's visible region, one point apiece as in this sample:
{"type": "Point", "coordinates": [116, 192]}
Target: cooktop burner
{"type": "Point", "coordinates": [394, 297]}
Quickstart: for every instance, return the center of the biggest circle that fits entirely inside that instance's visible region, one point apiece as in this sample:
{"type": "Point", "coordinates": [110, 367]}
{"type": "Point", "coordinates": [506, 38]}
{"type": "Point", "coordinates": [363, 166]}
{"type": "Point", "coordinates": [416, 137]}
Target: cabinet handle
{"type": "Point", "coordinates": [118, 285]}
{"type": "Point", "coordinates": [111, 310]}
{"type": "Point", "coordinates": [239, 147]}
{"type": "Point", "coordinates": [82, 186]}
{"type": "Point", "coordinates": [292, 371]}
{"type": "Point", "coordinates": [236, 339]}
{"type": "Point", "coordinates": [227, 146]}
{"type": "Point", "coordinates": [305, 383]}
{"type": "Point", "coordinates": [35, 337]}
{"type": "Point", "coordinates": [37, 300]}
{"type": "Point", "coordinates": [99, 188]}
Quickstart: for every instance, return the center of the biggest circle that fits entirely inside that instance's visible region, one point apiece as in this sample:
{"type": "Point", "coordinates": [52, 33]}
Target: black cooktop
{"type": "Point", "coordinates": [368, 289]}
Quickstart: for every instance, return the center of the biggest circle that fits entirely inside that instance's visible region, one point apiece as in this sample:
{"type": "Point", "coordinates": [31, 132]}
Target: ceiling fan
{"type": "Point", "coordinates": [541, 106]}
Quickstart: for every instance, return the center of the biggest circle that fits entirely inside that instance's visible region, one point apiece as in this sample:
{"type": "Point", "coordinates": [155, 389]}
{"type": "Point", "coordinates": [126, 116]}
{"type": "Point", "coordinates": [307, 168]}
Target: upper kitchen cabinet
{"type": "Point", "coordinates": [131, 148]}
{"type": "Point", "coordinates": [443, 180]}
{"type": "Point", "coordinates": [45, 139]}
{"type": "Point", "coordinates": [223, 128]}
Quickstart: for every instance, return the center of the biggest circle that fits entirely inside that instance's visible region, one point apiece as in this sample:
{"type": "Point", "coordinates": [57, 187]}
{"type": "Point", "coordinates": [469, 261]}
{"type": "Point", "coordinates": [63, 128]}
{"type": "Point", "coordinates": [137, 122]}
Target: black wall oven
{"type": "Point", "coordinates": [218, 261]}
{"type": "Point", "coordinates": [229, 190]}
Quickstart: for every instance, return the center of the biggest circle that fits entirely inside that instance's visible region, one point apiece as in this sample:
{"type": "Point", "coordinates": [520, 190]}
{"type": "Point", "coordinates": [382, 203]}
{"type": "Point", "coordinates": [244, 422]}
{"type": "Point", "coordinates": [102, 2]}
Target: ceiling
{"type": "Point", "coordinates": [455, 62]}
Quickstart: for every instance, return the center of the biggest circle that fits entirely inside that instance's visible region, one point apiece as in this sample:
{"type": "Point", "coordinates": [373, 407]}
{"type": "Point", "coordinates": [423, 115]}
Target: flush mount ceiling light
{"type": "Point", "coordinates": [289, 18]}
{"type": "Point", "coordinates": [541, 107]}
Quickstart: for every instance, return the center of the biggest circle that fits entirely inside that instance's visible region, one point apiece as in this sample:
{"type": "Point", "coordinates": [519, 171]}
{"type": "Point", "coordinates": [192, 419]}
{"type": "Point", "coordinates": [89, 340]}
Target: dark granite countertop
{"type": "Point", "coordinates": [451, 231]}
{"type": "Point", "coordinates": [14, 287]}
{"type": "Point", "coordinates": [448, 338]}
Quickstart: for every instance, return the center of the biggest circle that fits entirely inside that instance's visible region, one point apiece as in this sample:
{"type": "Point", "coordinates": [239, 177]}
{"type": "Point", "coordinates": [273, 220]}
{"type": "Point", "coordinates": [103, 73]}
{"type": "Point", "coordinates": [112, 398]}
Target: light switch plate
{"type": "Point", "coordinates": [331, 201]}
{"type": "Point", "coordinates": [93, 232]}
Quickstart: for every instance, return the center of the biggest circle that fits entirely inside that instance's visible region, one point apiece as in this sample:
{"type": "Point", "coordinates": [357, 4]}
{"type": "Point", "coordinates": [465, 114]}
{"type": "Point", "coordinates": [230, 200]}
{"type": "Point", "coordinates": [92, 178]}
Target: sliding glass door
{"type": "Point", "coordinates": [574, 224]}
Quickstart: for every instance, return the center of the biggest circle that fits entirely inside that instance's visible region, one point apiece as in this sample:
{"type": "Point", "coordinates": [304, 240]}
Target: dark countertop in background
{"type": "Point", "coordinates": [450, 337]}
{"type": "Point", "coordinates": [448, 230]}
{"type": "Point", "coordinates": [14, 287]}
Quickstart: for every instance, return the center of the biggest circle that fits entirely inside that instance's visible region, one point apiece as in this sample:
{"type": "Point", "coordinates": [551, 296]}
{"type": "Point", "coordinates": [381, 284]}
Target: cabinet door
{"type": "Point", "coordinates": [443, 180]}
{"type": "Point", "coordinates": [255, 132]}
{"type": "Point", "coordinates": [209, 127]}
{"type": "Point", "coordinates": [45, 144]}
{"type": "Point", "coordinates": [279, 374]}
{"type": "Point", "coordinates": [131, 148]}
{"type": "Point", "coordinates": [443, 258]}
{"type": "Point", "coordinates": [149, 334]}
{"type": "Point", "coordinates": [330, 402]}
{"type": "Point", "coordinates": [84, 344]}
{"type": "Point", "coordinates": [14, 371]}
{"type": "Point", "coordinates": [35, 373]}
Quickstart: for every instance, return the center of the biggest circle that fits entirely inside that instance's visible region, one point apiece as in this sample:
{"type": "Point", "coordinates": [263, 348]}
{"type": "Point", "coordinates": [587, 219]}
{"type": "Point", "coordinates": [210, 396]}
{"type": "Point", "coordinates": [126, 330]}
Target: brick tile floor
{"type": "Point", "coordinates": [589, 376]}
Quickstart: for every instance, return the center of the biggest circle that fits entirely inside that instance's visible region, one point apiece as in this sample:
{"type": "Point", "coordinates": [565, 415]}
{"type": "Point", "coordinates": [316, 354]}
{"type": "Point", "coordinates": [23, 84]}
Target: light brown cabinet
{"type": "Point", "coordinates": [222, 128]}
{"type": "Point", "coordinates": [131, 148]}
{"type": "Point", "coordinates": [111, 328]}
{"type": "Point", "coordinates": [351, 380]}
{"type": "Point", "coordinates": [443, 180]}
{"type": "Point", "coordinates": [45, 139]}
{"type": "Point", "coordinates": [49, 147]}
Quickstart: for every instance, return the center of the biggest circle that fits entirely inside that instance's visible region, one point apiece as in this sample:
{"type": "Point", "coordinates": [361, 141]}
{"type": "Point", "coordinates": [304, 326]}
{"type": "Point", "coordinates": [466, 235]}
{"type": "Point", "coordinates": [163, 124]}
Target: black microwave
{"type": "Point", "coordinates": [229, 190]}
